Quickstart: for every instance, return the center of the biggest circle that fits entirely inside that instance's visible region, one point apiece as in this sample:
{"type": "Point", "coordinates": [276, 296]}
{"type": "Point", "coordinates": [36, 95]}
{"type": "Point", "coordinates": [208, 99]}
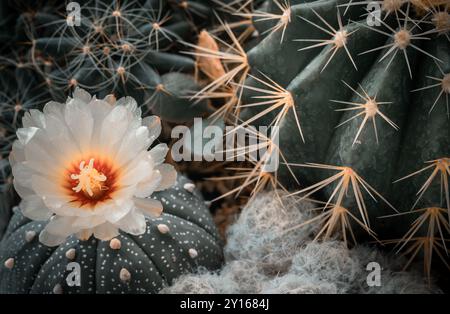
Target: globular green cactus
{"type": "Point", "coordinates": [360, 101]}
{"type": "Point", "coordinates": [120, 47]}
{"type": "Point", "coordinates": [183, 238]}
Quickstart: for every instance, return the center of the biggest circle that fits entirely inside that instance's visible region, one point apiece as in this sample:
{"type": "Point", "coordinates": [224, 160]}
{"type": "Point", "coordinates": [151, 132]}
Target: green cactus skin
{"type": "Point", "coordinates": [183, 238]}
{"type": "Point", "coordinates": [289, 62]}
{"type": "Point", "coordinates": [170, 102]}
{"type": "Point", "coordinates": [421, 136]}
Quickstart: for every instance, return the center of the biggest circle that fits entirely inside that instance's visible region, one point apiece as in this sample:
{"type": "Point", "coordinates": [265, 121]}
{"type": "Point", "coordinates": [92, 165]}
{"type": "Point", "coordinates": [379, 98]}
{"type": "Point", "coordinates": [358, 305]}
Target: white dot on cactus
{"type": "Point", "coordinates": [193, 253]}
{"type": "Point", "coordinates": [115, 244]}
{"type": "Point", "coordinates": [30, 235]}
{"type": "Point", "coordinates": [70, 254]}
{"type": "Point", "coordinates": [124, 275]}
{"type": "Point", "coordinates": [9, 263]}
{"type": "Point", "coordinates": [189, 187]}
{"type": "Point", "coordinates": [57, 289]}
{"type": "Point", "coordinates": [163, 228]}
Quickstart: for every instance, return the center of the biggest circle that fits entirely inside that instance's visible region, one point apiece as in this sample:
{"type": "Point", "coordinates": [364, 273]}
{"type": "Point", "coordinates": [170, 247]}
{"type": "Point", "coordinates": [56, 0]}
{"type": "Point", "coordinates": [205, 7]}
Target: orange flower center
{"type": "Point", "coordinates": [90, 181]}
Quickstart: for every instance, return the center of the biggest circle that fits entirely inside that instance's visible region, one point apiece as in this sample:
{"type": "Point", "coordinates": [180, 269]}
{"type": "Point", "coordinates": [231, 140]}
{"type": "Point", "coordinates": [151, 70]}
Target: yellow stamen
{"type": "Point", "coordinates": [89, 179]}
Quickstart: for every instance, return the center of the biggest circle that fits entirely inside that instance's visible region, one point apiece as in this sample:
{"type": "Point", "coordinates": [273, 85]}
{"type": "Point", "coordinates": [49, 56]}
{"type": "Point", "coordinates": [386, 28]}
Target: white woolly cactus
{"type": "Point", "coordinates": [264, 254]}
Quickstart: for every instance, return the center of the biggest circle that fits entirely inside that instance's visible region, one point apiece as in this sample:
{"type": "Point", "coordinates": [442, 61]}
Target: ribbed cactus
{"type": "Point", "coordinates": [122, 47]}
{"type": "Point", "coordinates": [125, 48]}
{"type": "Point", "coordinates": [180, 240]}
{"type": "Point", "coordinates": [362, 106]}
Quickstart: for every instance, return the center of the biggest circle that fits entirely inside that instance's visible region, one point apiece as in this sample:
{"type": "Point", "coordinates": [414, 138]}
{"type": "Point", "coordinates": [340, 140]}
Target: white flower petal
{"type": "Point", "coordinates": [88, 222]}
{"type": "Point", "coordinates": [85, 234]}
{"type": "Point", "coordinates": [17, 153]}
{"type": "Point", "coordinates": [39, 155]}
{"type": "Point", "coordinates": [119, 210]}
{"type": "Point", "coordinates": [59, 137]}
{"type": "Point", "coordinates": [147, 187]}
{"type": "Point", "coordinates": [106, 232]}
{"type": "Point", "coordinates": [51, 194]}
{"type": "Point", "coordinates": [136, 172]}
{"type": "Point", "coordinates": [133, 223]}
{"type": "Point", "coordinates": [33, 118]}
{"type": "Point", "coordinates": [32, 207]}
{"type": "Point", "coordinates": [134, 142]}
{"type": "Point", "coordinates": [22, 190]}
{"type": "Point", "coordinates": [72, 210]}
{"type": "Point", "coordinates": [55, 109]}
{"type": "Point", "coordinates": [149, 207]}
{"type": "Point", "coordinates": [153, 123]}
{"type": "Point", "coordinates": [49, 239]}
{"type": "Point", "coordinates": [158, 153]}
{"type": "Point", "coordinates": [82, 95]}
{"type": "Point", "coordinates": [23, 174]}
{"type": "Point", "coordinates": [110, 99]}
{"type": "Point", "coordinates": [130, 104]}
{"type": "Point", "coordinates": [169, 176]}
{"type": "Point", "coordinates": [80, 122]}
{"type": "Point", "coordinates": [24, 135]}
{"type": "Point", "coordinates": [113, 128]}
{"type": "Point", "coordinates": [61, 226]}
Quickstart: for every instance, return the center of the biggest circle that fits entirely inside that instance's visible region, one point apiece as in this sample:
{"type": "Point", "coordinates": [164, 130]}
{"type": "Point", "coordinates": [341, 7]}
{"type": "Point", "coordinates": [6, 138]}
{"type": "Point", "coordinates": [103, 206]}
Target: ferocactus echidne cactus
{"type": "Point", "coordinates": [362, 106]}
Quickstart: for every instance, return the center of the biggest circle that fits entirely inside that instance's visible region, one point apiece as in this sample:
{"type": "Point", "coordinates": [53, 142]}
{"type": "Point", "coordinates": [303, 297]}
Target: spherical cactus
{"type": "Point", "coordinates": [120, 47]}
{"type": "Point", "coordinates": [180, 240]}
{"type": "Point", "coordinates": [85, 173]}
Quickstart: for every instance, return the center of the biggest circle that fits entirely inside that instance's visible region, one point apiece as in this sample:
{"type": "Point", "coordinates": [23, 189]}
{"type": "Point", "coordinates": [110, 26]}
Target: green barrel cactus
{"type": "Point", "coordinates": [361, 102]}
{"type": "Point", "coordinates": [180, 240]}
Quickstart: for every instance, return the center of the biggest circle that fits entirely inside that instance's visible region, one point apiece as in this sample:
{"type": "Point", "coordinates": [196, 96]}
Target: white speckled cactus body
{"type": "Point", "coordinates": [180, 240]}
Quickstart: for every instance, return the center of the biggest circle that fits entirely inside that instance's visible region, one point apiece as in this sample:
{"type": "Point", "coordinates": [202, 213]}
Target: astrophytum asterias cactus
{"type": "Point", "coordinates": [86, 177]}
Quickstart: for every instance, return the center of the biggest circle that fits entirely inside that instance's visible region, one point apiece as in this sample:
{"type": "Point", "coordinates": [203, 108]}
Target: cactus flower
{"type": "Point", "coordinates": [84, 166]}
